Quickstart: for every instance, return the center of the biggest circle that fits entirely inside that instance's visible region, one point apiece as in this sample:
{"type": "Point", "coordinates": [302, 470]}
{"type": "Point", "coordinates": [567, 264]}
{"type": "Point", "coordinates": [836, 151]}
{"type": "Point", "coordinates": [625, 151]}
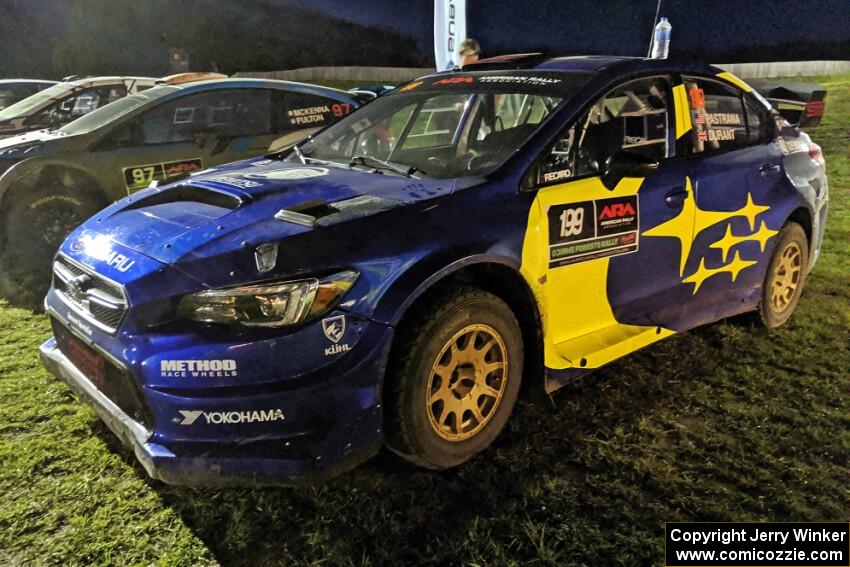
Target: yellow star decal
{"type": "Point", "coordinates": [734, 268]}
{"type": "Point", "coordinates": [751, 211]}
{"type": "Point", "coordinates": [681, 226]}
{"type": "Point", "coordinates": [730, 240]}
{"type": "Point", "coordinates": [691, 221]}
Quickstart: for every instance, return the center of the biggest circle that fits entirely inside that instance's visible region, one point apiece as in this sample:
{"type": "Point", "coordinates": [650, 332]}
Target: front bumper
{"type": "Point", "coordinates": [351, 442]}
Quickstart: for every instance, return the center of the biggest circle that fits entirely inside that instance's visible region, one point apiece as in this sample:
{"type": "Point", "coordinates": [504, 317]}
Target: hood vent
{"type": "Point", "coordinates": [313, 213]}
{"type": "Point", "coordinates": [191, 194]}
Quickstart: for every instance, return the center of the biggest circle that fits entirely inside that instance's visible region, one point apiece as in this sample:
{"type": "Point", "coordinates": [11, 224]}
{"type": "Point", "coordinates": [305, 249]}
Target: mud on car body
{"type": "Point", "coordinates": [50, 181]}
{"type": "Point", "coordinates": [389, 280]}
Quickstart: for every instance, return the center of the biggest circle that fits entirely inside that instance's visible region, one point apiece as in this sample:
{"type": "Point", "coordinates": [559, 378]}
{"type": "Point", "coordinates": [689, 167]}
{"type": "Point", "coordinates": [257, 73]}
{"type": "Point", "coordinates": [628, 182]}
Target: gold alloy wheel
{"type": "Point", "coordinates": [467, 382]}
{"type": "Point", "coordinates": [786, 277]}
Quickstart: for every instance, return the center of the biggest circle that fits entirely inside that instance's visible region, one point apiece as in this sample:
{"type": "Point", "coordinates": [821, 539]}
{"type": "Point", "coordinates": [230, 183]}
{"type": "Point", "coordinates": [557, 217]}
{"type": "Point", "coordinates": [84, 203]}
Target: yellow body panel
{"type": "Point", "coordinates": [735, 81]}
{"type": "Point", "coordinates": [683, 111]}
{"type": "Point", "coordinates": [579, 327]}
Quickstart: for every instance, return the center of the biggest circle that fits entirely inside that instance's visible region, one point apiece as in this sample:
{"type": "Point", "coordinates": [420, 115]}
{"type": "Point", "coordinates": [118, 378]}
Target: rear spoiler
{"type": "Point", "coordinates": [801, 104]}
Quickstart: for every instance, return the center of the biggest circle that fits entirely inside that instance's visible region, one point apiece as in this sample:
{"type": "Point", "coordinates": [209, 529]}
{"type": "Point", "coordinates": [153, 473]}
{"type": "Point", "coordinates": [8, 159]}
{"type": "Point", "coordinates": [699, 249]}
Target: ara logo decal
{"type": "Point", "coordinates": [691, 221]}
{"type": "Point", "coordinates": [617, 211]}
{"type": "Point", "coordinates": [289, 173]}
{"type": "Point", "coordinates": [454, 81]}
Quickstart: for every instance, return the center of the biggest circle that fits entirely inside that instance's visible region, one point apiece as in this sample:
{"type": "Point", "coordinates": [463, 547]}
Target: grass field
{"type": "Point", "coordinates": [724, 423]}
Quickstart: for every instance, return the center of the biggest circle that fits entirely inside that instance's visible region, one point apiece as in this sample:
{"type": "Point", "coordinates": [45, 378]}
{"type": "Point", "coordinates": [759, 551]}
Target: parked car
{"type": "Point", "coordinates": [370, 92]}
{"type": "Point", "coordinates": [50, 181]}
{"type": "Point", "coordinates": [388, 281]}
{"type": "Point", "coordinates": [13, 90]}
{"type": "Point", "coordinates": [801, 104]}
{"type": "Point", "coordinates": [64, 102]}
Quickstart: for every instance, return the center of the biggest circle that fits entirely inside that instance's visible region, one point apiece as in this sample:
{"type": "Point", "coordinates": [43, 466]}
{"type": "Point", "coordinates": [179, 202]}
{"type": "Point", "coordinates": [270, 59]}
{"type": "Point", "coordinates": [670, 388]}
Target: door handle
{"type": "Point", "coordinates": [676, 197]}
{"type": "Point", "coordinates": [769, 169]}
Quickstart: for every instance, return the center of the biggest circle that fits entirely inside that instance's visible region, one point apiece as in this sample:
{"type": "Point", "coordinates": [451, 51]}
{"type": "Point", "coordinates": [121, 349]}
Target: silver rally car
{"type": "Point", "coordinates": [64, 102]}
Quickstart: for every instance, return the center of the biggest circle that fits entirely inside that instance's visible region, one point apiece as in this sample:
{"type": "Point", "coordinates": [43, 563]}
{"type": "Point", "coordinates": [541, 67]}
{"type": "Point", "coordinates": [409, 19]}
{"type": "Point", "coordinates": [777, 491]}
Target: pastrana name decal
{"type": "Point", "coordinates": [592, 229]}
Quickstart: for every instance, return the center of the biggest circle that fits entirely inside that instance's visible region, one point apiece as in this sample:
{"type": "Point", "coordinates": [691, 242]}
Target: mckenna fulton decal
{"type": "Point", "coordinates": [189, 417]}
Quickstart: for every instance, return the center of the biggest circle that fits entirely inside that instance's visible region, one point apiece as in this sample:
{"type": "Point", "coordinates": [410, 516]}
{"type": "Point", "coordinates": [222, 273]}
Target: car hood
{"type": "Point", "coordinates": [242, 205]}
{"type": "Point", "coordinates": [37, 136]}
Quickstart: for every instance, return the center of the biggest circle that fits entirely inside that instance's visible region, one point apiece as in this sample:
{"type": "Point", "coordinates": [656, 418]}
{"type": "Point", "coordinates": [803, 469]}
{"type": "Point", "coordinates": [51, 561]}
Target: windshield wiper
{"type": "Point", "coordinates": [369, 161]}
{"type": "Point", "coordinates": [300, 155]}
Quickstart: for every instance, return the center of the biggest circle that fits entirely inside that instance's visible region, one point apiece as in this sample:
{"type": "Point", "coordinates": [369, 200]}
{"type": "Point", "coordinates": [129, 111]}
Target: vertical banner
{"type": "Point", "coordinates": [449, 31]}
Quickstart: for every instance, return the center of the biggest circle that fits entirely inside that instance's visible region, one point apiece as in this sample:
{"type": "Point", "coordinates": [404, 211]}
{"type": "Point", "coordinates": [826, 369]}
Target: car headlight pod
{"type": "Point", "coordinates": [268, 304]}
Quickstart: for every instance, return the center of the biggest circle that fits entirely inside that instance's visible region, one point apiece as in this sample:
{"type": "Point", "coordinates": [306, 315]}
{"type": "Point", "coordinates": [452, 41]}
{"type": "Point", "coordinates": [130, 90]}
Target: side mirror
{"type": "Point", "coordinates": [626, 164]}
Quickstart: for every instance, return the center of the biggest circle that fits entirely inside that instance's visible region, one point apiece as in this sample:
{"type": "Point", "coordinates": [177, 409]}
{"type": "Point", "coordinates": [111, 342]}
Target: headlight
{"type": "Point", "coordinates": [267, 305]}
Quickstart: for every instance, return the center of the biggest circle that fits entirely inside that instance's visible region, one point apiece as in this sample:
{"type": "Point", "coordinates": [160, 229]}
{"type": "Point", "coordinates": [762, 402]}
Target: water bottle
{"type": "Point", "coordinates": [661, 39]}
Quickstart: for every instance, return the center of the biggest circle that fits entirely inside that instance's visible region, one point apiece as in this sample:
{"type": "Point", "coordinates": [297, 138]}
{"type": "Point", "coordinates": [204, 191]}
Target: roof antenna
{"type": "Point", "coordinates": [654, 23]}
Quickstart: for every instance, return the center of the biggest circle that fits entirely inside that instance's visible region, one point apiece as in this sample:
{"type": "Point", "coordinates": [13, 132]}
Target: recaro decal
{"type": "Point", "coordinates": [691, 221]}
{"type": "Point", "coordinates": [140, 176]}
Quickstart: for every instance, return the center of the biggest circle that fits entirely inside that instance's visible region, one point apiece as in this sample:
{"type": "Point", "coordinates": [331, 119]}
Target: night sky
{"type": "Point", "coordinates": [610, 27]}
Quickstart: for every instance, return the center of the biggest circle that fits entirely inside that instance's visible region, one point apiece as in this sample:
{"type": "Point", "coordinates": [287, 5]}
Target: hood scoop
{"type": "Point", "coordinates": [189, 194]}
{"type": "Point", "coordinates": [319, 213]}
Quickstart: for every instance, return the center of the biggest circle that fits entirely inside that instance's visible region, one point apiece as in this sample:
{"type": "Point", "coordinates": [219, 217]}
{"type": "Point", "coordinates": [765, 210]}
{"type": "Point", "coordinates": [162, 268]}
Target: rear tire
{"type": "Point", "coordinates": [454, 378]}
{"type": "Point", "coordinates": [785, 277]}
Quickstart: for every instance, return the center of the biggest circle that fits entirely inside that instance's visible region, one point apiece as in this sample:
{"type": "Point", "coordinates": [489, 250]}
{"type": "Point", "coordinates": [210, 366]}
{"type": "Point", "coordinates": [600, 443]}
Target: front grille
{"type": "Point", "coordinates": [96, 298]}
{"type": "Point", "coordinates": [116, 383]}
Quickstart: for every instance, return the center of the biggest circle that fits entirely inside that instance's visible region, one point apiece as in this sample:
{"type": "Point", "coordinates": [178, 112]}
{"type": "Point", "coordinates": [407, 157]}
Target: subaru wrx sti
{"type": "Point", "coordinates": [392, 280]}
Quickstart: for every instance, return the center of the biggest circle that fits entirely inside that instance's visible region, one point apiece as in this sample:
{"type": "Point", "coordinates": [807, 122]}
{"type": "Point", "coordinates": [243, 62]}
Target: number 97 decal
{"type": "Point", "coordinates": [341, 109]}
{"type": "Point", "coordinates": [140, 176]}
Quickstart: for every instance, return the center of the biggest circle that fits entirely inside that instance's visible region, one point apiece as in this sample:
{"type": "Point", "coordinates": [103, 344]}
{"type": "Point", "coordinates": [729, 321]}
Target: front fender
{"type": "Point", "coordinates": [409, 279]}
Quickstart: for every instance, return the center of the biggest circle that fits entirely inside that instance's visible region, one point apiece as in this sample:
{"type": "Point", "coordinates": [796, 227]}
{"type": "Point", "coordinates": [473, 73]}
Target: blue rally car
{"type": "Point", "coordinates": [390, 280]}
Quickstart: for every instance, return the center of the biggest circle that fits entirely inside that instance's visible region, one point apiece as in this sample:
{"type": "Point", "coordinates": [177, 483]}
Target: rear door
{"type": "Point", "coordinates": [737, 172]}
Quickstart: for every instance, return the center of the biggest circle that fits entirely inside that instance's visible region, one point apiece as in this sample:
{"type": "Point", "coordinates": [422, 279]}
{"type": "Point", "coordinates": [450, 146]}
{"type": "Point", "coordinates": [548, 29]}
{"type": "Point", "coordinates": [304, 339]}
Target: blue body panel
{"type": "Point", "coordinates": [401, 235]}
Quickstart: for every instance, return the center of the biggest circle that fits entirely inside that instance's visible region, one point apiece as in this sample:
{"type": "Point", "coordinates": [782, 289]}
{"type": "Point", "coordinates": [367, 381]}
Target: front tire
{"type": "Point", "coordinates": [785, 277]}
{"type": "Point", "coordinates": [37, 223]}
{"type": "Point", "coordinates": [454, 379]}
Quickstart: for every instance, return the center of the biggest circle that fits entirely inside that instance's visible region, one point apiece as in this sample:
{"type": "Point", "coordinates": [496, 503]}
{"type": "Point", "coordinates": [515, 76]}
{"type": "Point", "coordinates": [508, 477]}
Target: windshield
{"type": "Point", "coordinates": [38, 100]}
{"type": "Point", "coordinates": [106, 114]}
{"type": "Point", "coordinates": [444, 126]}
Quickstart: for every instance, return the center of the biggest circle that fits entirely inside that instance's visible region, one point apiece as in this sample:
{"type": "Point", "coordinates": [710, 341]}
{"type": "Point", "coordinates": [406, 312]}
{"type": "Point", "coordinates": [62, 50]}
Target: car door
{"type": "Point", "coordinates": [174, 137]}
{"type": "Point", "coordinates": [600, 280]}
{"type": "Point", "coordinates": [737, 175]}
